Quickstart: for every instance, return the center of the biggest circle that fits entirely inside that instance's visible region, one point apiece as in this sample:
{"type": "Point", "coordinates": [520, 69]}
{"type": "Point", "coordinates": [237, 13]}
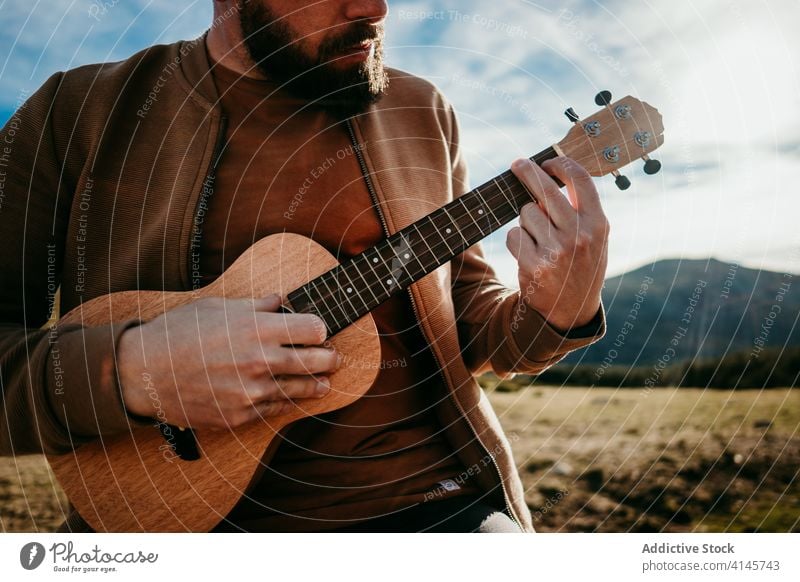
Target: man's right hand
{"type": "Point", "coordinates": [223, 362]}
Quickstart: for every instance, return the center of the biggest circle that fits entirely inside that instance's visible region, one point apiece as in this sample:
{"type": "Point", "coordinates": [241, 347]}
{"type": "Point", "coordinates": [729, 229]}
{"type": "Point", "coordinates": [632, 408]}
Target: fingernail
{"type": "Point", "coordinates": [339, 361]}
{"type": "Point", "coordinates": [323, 386]}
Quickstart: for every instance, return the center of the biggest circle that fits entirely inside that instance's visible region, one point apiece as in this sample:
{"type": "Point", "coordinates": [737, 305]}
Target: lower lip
{"type": "Point", "coordinates": [358, 53]}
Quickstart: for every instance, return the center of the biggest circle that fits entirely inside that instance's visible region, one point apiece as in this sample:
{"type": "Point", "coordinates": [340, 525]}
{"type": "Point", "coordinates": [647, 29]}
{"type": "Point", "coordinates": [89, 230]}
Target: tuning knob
{"type": "Point", "coordinates": [603, 98]}
{"type": "Point", "coordinates": [571, 115]}
{"type": "Point", "coordinates": [651, 166]}
{"type": "Point", "coordinates": [621, 181]}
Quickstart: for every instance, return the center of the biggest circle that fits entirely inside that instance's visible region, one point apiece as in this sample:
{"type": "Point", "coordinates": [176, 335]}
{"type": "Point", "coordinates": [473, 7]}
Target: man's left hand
{"type": "Point", "coordinates": [561, 244]}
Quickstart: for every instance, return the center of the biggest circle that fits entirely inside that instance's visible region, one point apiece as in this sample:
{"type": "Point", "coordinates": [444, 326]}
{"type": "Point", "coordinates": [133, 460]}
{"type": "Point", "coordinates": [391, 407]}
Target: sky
{"type": "Point", "coordinates": [724, 74]}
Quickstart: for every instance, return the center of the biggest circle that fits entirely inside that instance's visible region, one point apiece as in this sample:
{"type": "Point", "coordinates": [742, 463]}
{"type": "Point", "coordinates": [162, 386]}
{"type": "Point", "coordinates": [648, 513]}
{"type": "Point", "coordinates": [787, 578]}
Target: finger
{"type": "Point", "coordinates": [304, 361]}
{"type": "Point", "coordinates": [269, 302]}
{"type": "Point", "coordinates": [580, 186]}
{"type": "Point", "coordinates": [281, 408]}
{"type": "Point", "coordinates": [299, 329]}
{"type": "Point", "coordinates": [547, 193]}
{"type": "Point", "coordinates": [292, 387]}
{"type": "Point", "coordinates": [521, 245]}
{"type": "Point", "coordinates": [271, 409]}
{"type": "Point", "coordinates": [536, 223]}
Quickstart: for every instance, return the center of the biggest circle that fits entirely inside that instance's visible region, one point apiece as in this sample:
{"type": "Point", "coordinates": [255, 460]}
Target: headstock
{"type": "Point", "coordinates": [614, 136]}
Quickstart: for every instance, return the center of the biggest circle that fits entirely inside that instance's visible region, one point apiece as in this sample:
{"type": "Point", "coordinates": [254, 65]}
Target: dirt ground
{"type": "Point", "coordinates": [616, 460]}
{"type": "Point", "coordinates": [609, 460]}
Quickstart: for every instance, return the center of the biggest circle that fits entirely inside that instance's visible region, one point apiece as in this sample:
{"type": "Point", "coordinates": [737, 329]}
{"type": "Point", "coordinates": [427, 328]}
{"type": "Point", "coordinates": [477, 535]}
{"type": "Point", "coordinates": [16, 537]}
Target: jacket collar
{"type": "Point", "coordinates": [196, 69]}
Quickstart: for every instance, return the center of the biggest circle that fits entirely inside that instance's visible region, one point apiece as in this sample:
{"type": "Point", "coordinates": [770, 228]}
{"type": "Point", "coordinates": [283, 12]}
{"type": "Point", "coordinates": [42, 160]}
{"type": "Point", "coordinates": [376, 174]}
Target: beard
{"type": "Point", "coordinates": [277, 51]}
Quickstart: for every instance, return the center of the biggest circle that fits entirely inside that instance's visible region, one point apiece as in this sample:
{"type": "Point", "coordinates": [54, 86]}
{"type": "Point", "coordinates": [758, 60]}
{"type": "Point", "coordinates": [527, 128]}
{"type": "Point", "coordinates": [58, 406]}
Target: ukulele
{"type": "Point", "coordinates": [166, 478]}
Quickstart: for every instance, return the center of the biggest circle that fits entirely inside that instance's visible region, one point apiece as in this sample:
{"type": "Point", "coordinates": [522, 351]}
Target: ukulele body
{"type": "Point", "coordinates": [133, 481]}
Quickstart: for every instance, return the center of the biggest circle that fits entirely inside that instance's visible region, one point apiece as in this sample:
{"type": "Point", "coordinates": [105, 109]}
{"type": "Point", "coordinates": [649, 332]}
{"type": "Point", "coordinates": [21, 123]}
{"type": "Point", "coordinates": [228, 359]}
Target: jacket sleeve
{"type": "Point", "coordinates": [58, 383]}
{"type": "Point", "coordinates": [496, 329]}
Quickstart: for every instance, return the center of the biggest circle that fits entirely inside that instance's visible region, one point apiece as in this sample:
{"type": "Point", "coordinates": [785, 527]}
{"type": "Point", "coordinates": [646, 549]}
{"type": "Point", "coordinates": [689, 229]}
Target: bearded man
{"type": "Point", "coordinates": [157, 172]}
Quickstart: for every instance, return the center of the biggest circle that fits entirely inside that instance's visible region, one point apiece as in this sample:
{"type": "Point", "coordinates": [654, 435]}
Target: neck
{"type": "Point", "coordinates": [226, 44]}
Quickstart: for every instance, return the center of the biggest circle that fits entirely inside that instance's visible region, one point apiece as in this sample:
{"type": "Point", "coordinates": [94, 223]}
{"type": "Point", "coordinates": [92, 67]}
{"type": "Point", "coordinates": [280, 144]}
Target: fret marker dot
{"type": "Point", "coordinates": [375, 259]}
{"type": "Point", "coordinates": [480, 211]}
{"type": "Point", "coordinates": [349, 289]}
{"type": "Point", "coordinates": [447, 230]}
{"type": "Point", "coordinates": [389, 281]}
{"type": "Point", "coordinates": [406, 256]}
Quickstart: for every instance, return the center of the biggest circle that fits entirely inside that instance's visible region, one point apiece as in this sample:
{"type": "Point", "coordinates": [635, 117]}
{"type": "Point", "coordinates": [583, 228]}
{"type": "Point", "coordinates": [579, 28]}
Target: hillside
{"type": "Point", "coordinates": [674, 310]}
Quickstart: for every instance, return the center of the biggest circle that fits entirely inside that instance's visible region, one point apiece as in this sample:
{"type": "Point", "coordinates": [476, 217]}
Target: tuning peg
{"type": "Point", "coordinates": [571, 115]}
{"type": "Point", "coordinates": [603, 98]}
{"type": "Point", "coordinates": [651, 166]}
{"type": "Point", "coordinates": [621, 181]}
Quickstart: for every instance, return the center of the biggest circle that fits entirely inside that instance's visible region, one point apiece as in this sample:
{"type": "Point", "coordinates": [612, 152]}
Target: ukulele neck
{"type": "Point", "coordinates": [356, 287]}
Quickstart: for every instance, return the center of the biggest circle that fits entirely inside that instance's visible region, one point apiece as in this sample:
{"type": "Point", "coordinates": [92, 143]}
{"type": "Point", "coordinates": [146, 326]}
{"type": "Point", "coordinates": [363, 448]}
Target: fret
{"type": "Point", "coordinates": [402, 252]}
{"type": "Point", "coordinates": [384, 271]}
{"type": "Point", "coordinates": [444, 209]}
{"type": "Point", "coordinates": [371, 264]}
{"type": "Point", "coordinates": [422, 238]}
{"type": "Point", "coordinates": [448, 230]}
{"type": "Point", "coordinates": [300, 305]}
{"type": "Point", "coordinates": [489, 208]}
{"type": "Point", "coordinates": [511, 201]}
{"type": "Point", "coordinates": [499, 222]}
{"type": "Point", "coordinates": [339, 290]}
{"type": "Point", "coordinates": [351, 289]}
{"type": "Point", "coordinates": [470, 216]}
{"type": "Point", "coordinates": [315, 298]}
{"type": "Point", "coordinates": [522, 196]}
{"type": "Point", "coordinates": [485, 209]}
{"type": "Point", "coordinates": [337, 305]}
{"type": "Point", "coordinates": [418, 246]}
{"type": "Point", "coordinates": [366, 284]}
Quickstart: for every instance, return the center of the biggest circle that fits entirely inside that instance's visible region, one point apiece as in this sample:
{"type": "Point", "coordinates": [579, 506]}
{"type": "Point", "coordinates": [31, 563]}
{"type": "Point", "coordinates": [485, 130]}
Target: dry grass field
{"type": "Point", "coordinates": [597, 460]}
{"type": "Point", "coordinates": [616, 460]}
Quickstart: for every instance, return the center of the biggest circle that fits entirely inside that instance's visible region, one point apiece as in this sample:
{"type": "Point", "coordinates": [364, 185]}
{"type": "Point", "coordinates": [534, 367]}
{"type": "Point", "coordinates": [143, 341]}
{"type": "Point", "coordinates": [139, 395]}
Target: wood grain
{"type": "Point", "coordinates": [132, 481]}
{"type": "Point", "coordinates": [588, 150]}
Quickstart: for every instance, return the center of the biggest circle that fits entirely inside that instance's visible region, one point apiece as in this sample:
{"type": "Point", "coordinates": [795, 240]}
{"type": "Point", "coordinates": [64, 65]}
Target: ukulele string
{"type": "Point", "coordinates": [502, 219]}
{"type": "Point", "coordinates": [509, 212]}
{"type": "Point", "coordinates": [470, 230]}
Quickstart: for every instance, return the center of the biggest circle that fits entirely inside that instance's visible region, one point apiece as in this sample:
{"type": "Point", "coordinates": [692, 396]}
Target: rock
{"type": "Point", "coordinates": [536, 466]}
{"type": "Point", "coordinates": [505, 387]}
{"type": "Point", "coordinates": [593, 478]}
{"type": "Point", "coordinates": [562, 468]}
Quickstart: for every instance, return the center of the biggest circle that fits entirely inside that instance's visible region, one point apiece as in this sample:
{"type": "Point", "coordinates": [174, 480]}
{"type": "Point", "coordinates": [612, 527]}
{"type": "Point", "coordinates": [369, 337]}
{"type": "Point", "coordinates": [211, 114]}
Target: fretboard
{"type": "Point", "coordinates": [360, 284]}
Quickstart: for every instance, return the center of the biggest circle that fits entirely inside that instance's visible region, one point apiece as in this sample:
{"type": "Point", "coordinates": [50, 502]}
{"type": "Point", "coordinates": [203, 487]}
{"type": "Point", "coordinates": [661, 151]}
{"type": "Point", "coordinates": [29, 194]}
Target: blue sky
{"type": "Point", "coordinates": [724, 74]}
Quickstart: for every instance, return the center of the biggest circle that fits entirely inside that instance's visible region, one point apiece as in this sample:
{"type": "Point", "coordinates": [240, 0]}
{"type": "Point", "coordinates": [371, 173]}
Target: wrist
{"type": "Point", "coordinates": [130, 369]}
{"type": "Point", "coordinates": [566, 322]}
{"type": "Point", "coordinates": [593, 328]}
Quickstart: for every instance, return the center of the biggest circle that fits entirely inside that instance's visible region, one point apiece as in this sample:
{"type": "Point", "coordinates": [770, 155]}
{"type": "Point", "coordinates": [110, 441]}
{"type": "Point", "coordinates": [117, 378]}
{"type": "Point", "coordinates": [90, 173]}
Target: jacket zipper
{"type": "Point", "coordinates": [205, 195]}
{"type": "Point", "coordinates": [374, 198]}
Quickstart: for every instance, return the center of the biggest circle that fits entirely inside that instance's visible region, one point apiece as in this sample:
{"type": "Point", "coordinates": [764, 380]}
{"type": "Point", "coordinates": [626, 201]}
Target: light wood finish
{"type": "Point", "coordinates": [588, 150]}
{"type": "Point", "coordinates": [131, 482]}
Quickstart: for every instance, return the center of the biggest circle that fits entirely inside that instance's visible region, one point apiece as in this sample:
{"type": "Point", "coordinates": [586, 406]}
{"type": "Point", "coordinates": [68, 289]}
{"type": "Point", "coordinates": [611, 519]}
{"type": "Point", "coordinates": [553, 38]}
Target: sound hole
{"type": "Point", "coordinates": [182, 441]}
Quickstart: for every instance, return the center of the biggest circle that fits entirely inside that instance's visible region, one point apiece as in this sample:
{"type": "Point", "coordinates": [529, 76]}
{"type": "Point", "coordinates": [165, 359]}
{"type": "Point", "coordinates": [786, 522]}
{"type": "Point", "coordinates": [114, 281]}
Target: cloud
{"type": "Point", "coordinates": [43, 37]}
{"type": "Point", "coordinates": [725, 76]}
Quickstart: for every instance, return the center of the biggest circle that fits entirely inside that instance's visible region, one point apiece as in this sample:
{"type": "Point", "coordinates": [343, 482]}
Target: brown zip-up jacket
{"type": "Point", "coordinates": [104, 178]}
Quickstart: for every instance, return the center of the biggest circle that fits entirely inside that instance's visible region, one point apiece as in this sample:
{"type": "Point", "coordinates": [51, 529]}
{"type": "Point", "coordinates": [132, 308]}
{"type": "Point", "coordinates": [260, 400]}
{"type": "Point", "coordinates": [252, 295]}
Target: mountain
{"type": "Point", "coordinates": [674, 310]}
